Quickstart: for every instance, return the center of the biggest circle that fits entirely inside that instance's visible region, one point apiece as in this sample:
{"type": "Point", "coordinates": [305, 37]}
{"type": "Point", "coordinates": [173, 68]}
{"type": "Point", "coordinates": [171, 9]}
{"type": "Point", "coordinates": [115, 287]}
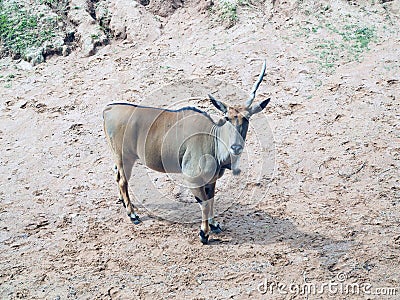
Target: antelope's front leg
{"type": "Point", "coordinates": [205, 225]}
{"type": "Point", "coordinates": [201, 197]}
{"type": "Point", "coordinates": [214, 225]}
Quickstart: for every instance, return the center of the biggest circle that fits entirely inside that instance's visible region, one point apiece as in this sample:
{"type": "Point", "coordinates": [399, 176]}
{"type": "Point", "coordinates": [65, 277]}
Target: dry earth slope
{"type": "Point", "coordinates": [331, 211]}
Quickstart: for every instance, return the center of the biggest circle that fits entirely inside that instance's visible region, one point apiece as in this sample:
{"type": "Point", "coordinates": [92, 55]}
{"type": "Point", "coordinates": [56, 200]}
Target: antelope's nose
{"type": "Point", "coordinates": [237, 149]}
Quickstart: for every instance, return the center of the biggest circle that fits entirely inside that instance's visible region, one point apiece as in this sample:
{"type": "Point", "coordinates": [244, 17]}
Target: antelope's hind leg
{"type": "Point", "coordinates": [122, 175]}
{"type": "Point", "coordinates": [120, 199]}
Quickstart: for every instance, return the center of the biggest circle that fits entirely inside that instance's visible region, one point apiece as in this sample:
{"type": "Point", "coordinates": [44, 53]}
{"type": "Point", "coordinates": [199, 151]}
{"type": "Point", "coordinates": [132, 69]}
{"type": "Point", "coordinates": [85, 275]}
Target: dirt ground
{"type": "Point", "coordinates": [326, 211]}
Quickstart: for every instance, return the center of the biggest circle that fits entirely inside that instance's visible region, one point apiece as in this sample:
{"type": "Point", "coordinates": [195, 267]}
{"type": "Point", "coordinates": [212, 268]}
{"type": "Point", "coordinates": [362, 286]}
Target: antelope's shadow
{"type": "Point", "coordinates": [243, 225]}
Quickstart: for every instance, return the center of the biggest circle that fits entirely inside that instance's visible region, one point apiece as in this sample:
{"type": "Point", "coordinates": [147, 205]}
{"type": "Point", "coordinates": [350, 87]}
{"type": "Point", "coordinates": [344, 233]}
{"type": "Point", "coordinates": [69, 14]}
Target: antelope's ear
{"type": "Point", "coordinates": [218, 104]}
{"type": "Point", "coordinates": [259, 107]}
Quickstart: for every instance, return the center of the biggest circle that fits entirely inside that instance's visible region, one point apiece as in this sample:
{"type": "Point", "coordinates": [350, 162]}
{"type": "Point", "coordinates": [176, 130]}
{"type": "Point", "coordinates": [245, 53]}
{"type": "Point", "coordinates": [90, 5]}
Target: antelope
{"type": "Point", "coordinates": [185, 141]}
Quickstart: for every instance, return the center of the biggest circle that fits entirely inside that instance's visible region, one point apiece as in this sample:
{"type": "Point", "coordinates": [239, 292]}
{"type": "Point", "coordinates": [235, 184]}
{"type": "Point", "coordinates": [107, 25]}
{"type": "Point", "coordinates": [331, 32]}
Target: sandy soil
{"type": "Point", "coordinates": [326, 211]}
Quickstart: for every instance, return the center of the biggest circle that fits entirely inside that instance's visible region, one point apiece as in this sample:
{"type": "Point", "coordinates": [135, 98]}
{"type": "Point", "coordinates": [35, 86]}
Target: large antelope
{"type": "Point", "coordinates": [183, 141]}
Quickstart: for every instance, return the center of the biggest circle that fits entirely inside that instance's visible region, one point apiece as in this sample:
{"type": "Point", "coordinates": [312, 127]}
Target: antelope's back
{"type": "Point", "coordinates": [126, 127]}
{"type": "Point", "coordinates": [158, 137]}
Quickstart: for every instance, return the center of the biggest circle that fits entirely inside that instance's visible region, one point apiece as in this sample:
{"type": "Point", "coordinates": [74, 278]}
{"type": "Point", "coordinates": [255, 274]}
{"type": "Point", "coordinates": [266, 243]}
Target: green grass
{"type": "Point", "coordinates": [229, 12]}
{"type": "Point", "coordinates": [225, 11]}
{"type": "Point", "coordinates": [347, 43]}
{"type": "Point", "coordinates": [335, 38]}
{"type": "Point", "coordinates": [22, 30]}
{"type": "Point", "coordinates": [360, 37]}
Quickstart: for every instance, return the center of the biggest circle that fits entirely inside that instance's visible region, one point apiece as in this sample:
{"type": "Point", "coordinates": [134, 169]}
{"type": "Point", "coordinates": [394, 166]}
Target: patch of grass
{"type": "Point", "coordinates": [229, 12]}
{"type": "Point", "coordinates": [24, 31]}
{"type": "Point", "coordinates": [327, 53]}
{"type": "Point", "coordinates": [243, 2]}
{"type": "Point", "coordinates": [337, 37]}
{"type": "Point", "coordinates": [347, 43]}
{"type": "Point", "coordinates": [359, 36]}
{"type": "Point", "coordinates": [48, 2]}
{"type": "Point", "coordinates": [225, 11]}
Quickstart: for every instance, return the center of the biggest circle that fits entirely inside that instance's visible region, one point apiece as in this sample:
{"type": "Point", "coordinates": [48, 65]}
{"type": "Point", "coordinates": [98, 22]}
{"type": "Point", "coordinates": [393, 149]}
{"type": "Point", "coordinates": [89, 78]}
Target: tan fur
{"type": "Point", "coordinates": [185, 141]}
{"type": "Point", "coordinates": [166, 141]}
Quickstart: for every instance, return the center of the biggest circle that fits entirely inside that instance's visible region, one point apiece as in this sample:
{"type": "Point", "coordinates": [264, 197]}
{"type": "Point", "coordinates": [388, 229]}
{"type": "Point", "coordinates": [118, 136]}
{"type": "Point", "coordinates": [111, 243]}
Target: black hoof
{"type": "Point", "coordinates": [120, 201]}
{"type": "Point", "coordinates": [215, 229]}
{"type": "Point", "coordinates": [136, 220]}
{"type": "Point", "coordinates": [203, 237]}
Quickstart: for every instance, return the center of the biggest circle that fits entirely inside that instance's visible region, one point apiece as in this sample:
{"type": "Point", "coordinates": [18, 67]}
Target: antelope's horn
{"type": "Point", "coordinates": [256, 85]}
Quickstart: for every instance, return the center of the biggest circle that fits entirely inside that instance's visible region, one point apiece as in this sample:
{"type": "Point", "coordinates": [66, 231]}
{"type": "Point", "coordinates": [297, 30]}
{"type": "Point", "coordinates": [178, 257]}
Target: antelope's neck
{"type": "Point", "coordinates": [221, 152]}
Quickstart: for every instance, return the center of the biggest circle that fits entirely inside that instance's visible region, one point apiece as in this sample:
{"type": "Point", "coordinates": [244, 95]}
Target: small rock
{"type": "Point", "coordinates": [23, 104]}
{"type": "Point", "coordinates": [24, 65]}
{"type": "Point", "coordinates": [65, 50]}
